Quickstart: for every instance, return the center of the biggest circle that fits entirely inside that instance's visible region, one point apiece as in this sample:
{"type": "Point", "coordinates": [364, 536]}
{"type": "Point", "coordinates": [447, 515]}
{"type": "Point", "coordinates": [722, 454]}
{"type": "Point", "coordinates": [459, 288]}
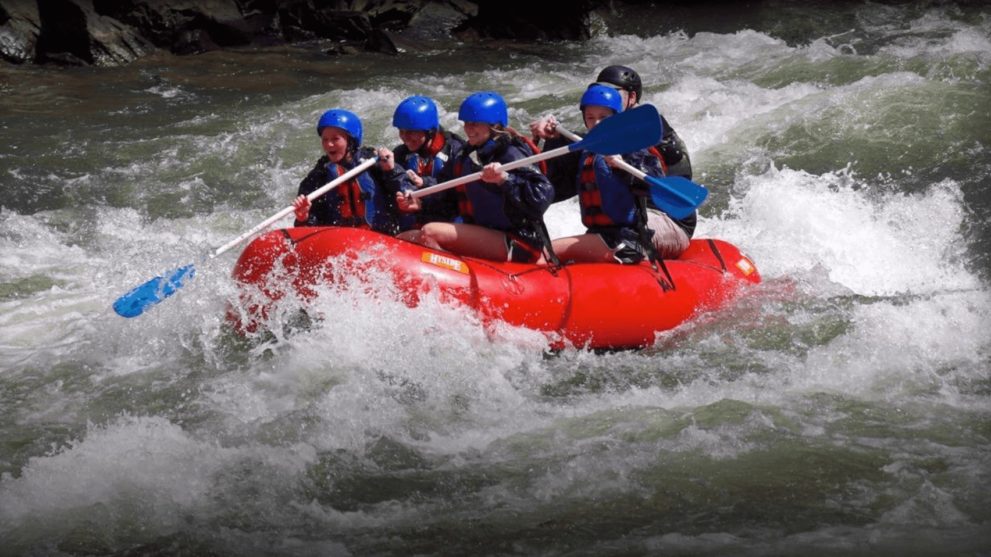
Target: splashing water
{"type": "Point", "coordinates": [839, 407]}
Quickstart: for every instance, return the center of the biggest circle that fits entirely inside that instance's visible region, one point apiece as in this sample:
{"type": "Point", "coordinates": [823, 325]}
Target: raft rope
{"type": "Point", "coordinates": [512, 276]}
{"type": "Point", "coordinates": [719, 256]}
{"type": "Point", "coordinates": [301, 239]}
{"type": "Point", "coordinates": [648, 244]}
{"type": "Point", "coordinates": [549, 254]}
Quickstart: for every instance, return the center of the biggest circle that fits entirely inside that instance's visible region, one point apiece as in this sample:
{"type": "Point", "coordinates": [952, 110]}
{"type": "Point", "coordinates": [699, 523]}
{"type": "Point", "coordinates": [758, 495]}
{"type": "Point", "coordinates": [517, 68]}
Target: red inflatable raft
{"type": "Point", "coordinates": [594, 305]}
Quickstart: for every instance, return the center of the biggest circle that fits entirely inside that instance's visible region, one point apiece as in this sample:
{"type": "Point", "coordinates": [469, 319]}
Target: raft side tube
{"type": "Point", "coordinates": [594, 305]}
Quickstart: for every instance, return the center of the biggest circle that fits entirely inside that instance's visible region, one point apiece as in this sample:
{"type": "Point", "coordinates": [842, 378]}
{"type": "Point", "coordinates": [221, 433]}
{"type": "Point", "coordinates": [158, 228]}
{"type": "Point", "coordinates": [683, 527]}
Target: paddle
{"type": "Point", "coordinates": [627, 131]}
{"type": "Point", "coordinates": [157, 289]}
{"type": "Point", "coordinates": [676, 196]}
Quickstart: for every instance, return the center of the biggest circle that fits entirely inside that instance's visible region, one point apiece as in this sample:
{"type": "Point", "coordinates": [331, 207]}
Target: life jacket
{"type": "Point", "coordinates": [432, 160]}
{"type": "Point", "coordinates": [655, 152]}
{"type": "Point", "coordinates": [479, 202]}
{"type": "Point", "coordinates": [535, 150]}
{"type": "Point", "coordinates": [605, 199]}
{"type": "Point", "coordinates": [465, 208]}
{"type": "Point", "coordinates": [350, 197]}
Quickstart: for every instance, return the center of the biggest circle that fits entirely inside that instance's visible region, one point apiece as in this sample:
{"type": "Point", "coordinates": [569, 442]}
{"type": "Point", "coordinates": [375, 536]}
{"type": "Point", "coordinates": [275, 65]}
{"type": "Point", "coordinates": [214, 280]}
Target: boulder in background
{"type": "Point", "coordinates": [116, 32]}
{"type": "Point", "coordinates": [19, 30]}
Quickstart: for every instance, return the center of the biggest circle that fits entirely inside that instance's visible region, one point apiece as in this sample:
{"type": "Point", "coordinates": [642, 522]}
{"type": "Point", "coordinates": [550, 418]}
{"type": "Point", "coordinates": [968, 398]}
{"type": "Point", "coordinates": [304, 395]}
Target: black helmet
{"type": "Point", "coordinates": [624, 78]}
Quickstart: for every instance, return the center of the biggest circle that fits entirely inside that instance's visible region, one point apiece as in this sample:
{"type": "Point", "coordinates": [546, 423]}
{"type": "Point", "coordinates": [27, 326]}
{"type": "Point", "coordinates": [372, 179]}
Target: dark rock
{"type": "Point", "coordinates": [300, 22]}
{"type": "Point", "coordinates": [528, 20]}
{"type": "Point", "coordinates": [189, 26]}
{"type": "Point", "coordinates": [114, 32]}
{"type": "Point", "coordinates": [19, 30]}
{"type": "Point", "coordinates": [379, 40]}
{"type": "Point", "coordinates": [435, 22]}
{"type": "Point", "coordinates": [72, 32]}
{"type": "Point", "coordinates": [193, 41]}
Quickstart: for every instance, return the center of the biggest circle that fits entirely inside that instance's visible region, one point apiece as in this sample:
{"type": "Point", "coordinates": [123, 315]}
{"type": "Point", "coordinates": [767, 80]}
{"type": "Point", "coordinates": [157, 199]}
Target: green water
{"type": "Point", "coordinates": [840, 408]}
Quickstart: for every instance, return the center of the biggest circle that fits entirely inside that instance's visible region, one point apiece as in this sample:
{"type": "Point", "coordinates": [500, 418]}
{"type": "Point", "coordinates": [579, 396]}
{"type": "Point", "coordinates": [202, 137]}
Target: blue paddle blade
{"type": "Point", "coordinates": [625, 132]}
{"type": "Point", "coordinates": [150, 293]}
{"type": "Point", "coordinates": [676, 196]}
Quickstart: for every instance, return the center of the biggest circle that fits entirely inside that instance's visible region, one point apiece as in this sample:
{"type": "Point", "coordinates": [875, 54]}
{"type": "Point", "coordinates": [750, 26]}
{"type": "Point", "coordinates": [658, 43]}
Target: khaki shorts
{"type": "Point", "coordinates": [669, 238]}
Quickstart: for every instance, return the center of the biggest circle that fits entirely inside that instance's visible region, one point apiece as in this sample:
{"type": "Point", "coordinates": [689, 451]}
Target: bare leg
{"type": "Point", "coordinates": [414, 236]}
{"type": "Point", "coordinates": [588, 248]}
{"type": "Point", "coordinates": [465, 239]}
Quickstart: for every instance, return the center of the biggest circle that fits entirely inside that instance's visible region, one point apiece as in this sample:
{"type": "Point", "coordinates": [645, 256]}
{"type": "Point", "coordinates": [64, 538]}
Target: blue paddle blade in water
{"type": "Point", "coordinates": [628, 131]}
{"type": "Point", "coordinates": [150, 293]}
{"type": "Point", "coordinates": [676, 196]}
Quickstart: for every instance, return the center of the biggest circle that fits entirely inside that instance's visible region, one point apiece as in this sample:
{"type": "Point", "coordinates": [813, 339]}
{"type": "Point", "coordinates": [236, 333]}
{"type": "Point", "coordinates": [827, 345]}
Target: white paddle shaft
{"type": "Point", "coordinates": [477, 175]}
{"type": "Point", "coordinates": [311, 196]}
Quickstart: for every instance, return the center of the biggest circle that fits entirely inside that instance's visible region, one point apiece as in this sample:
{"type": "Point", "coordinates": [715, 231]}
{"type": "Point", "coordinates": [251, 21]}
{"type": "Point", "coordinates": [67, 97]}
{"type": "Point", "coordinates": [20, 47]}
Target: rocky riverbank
{"type": "Point", "coordinates": [116, 32]}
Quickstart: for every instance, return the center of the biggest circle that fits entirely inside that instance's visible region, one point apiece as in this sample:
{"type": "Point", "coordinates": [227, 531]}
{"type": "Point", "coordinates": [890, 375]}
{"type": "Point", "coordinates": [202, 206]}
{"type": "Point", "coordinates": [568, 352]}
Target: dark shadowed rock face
{"type": "Point", "coordinates": [72, 32]}
{"type": "Point", "coordinates": [529, 20]}
{"type": "Point", "coordinates": [115, 32]}
{"type": "Point", "coordinates": [19, 30]}
{"type": "Point", "coordinates": [189, 26]}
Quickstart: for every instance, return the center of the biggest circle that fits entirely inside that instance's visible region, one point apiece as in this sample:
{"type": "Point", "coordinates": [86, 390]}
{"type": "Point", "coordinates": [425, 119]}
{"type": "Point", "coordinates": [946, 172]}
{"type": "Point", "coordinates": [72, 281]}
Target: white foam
{"type": "Point", "coordinates": [898, 350]}
{"type": "Point", "coordinates": [872, 243]}
{"type": "Point", "coordinates": [890, 266]}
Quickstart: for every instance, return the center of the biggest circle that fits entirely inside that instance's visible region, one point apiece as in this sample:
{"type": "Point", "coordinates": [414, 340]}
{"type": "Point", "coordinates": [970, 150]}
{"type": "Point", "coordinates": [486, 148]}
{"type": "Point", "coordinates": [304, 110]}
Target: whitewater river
{"type": "Point", "coordinates": [843, 407]}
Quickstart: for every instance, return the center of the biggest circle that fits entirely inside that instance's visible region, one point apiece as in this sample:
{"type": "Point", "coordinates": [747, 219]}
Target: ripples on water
{"type": "Point", "coordinates": [841, 407]}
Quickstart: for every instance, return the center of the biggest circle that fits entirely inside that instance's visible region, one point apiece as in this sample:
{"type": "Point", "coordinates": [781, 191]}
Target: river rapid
{"type": "Point", "coordinates": [842, 407]}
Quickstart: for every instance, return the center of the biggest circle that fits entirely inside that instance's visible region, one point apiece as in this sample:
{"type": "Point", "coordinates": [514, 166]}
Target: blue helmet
{"type": "Point", "coordinates": [416, 113]}
{"type": "Point", "coordinates": [602, 95]}
{"type": "Point", "coordinates": [339, 118]}
{"type": "Point", "coordinates": [486, 107]}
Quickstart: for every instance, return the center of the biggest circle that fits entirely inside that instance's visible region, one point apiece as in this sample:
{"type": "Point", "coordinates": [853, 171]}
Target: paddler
{"type": "Point", "coordinates": [366, 201]}
{"type": "Point", "coordinates": [502, 213]}
{"type": "Point", "coordinates": [426, 146]}
{"type": "Point", "coordinates": [613, 202]}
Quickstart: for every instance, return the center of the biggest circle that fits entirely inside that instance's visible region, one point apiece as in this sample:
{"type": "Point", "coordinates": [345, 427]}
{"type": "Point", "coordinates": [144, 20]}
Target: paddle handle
{"type": "Point", "coordinates": [567, 134]}
{"type": "Point", "coordinates": [311, 196]}
{"type": "Point", "coordinates": [620, 162]}
{"type": "Point", "coordinates": [477, 175]}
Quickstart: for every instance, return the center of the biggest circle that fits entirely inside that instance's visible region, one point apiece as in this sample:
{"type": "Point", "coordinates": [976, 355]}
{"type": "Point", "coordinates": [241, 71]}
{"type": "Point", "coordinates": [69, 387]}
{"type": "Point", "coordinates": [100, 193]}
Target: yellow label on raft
{"type": "Point", "coordinates": [445, 262]}
{"type": "Point", "coordinates": [745, 266]}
